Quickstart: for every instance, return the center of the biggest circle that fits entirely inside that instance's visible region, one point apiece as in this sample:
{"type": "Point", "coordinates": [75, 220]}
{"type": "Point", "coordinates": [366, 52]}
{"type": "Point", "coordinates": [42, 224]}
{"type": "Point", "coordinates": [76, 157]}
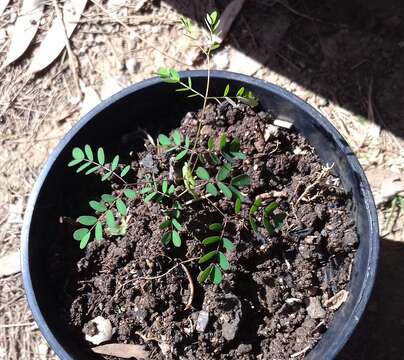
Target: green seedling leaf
{"type": "Point", "coordinates": [121, 207]}
{"type": "Point", "coordinates": [240, 92]}
{"type": "Point", "coordinates": [225, 190]}
{"type": "Point", "coordinates": [215, 46]}
{"type": "Point", "coordinates": [189, 82]}
{"type": "Point", "coordinates": [228, 245]}
{"type": "Point", "coordinates": [97, 206]}
{"type": "Point", "coordinates": [216, 275]}
{"type": "Point", "coordinates": [207, 257]}
{"type": "Point", "coordinates": [278, 220]}
{"type": "Point", "coordinates": [211, 189]}
{"type": "Point", "coordinates": [237, 206]}
{"type": "Point", "coordinates": [93, 169]}
{"type": "Point", "coordinates": [187, 142]}
{"type": "Point", "coordinates": [226, 90]}
{"type": "Point", "coordinates": [234, 145]}
{"type": "Point", "coordinates": [80, 233]}
{"type": "Point", "coordinates": [78, 154]}
{"type": "Point", "coordinates": [257, 202]}
{"type": "Point", "coordinates": [223, 173]}
{"type": "Point", "coordinates": [163, 72]}
{"type": "Point", "coordinates": [189, 179]}
{"type": "Point", "coordinates": [125, 170]}
{"type": "Point", "coordinates": [270, 208]}
{"type": "Point", "coordinates": [176, 224]}
{"type": "Point", "coordinates": [146, 190]}
{"type": "Point", "coordinates": [202, 173]}
{"type": "Point", "coordinates": [181, 154]}
{"type": "Point", "coordinates": [150, 196]}
{"type": "Point", "coordinates": [213, 16]}
{"type": "Point", "coordinates": [253, 223]}
{"type": "Point", "coordinates": [222, 142]}
{"type": "Point", "coordinates": [83, 166]}
{"type": "Point", "coordinates": [174, 75]}
{"type": "Point", "coordinates": [215, 159]}
{"type": "Point", "coordinates": [171, 189]}
{"type": "Point", "coordinates": [241, 180]}
{"type": "Point", "coordinates": [203, 275]}
{"type": "Point", "coordinates": [164, 140]}
{"type": "Point", "coordinates": [106, 176]}
{"type": "Point", "coordinates": [165, 224]}
{"type": "Point", "coordinates": [87, 220]}
{"type": "Point", "coordinates": [181, 90]}
{"type": "Point", "coordinates": [211, 240]}
{"type": "Point", "coordinates": [176, 239]}
{"type": "Point", "coordinates": [211, 144]}
{"type": "Point", "coordinates": [108, 198]}
{"type": "Point", "coordinates": [101, 156]}
{"type": "Point", "coordinates": [130, 194]}
{"type": "Point", "coordinates": [110, 219]}
{"type": "Point", "coordinates": [223, 262]}
{"type": "Point", "coordinates": [98, 231]}
{"type": "Point", "coordinates": [167, 238]}
{"type": "Point", "coordinates": [164, 186]}
{"type": "Point", "coordinates": [216, 227]}
{"type": "Point", "coordinates": [268, 226]}
{"type": "Point", "coordinates": [84, 240]}
{"type": "Point", "coordinates": [236, 193]}
{"type": "Point", "coordinates": [89, 152]}
{"type": "Point", "coordinates": [238, 155]}
{"type": "Point", "coordinates": [74, 162]}
{"type": "Point", "coordinates": [177, 137]}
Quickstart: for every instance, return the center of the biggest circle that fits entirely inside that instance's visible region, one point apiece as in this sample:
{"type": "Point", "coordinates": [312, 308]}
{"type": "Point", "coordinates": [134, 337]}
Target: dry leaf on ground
{"type": "Point", "coordinates": [25, 29]}
{"type": "Point", "coordinates": [3, 5]}
{"type": "Point", "coordinates": [125, 351]}
{"type": "Point", "coordinates": [228, 16]}
{"type": "Point", "coordinates": [10, 263]}
{"type": "Point", "coordinates": [55, 41]}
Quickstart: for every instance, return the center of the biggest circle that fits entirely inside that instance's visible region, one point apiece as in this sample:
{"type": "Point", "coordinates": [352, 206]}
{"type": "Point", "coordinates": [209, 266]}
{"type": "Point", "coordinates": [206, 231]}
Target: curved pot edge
{"type": "Point", "coordinates": [337, 137]}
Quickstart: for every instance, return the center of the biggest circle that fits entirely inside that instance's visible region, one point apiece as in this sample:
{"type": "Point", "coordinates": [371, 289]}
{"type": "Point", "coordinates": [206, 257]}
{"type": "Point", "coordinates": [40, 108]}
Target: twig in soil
{"type": "Point", "coordinates": [191, 287]}
{"type": "Point", "coordinates": [301, 352]}
{"type": "Point", "coordinates": [145, 338]}
{"type": "Point", "coordinates": [6, 326]}
{"type": "Point", "coordinates": [116, 19]}
{"type": "Point", "coordinates": [70, 54]}
{"type": "Point", "coordinates": [323, 173]}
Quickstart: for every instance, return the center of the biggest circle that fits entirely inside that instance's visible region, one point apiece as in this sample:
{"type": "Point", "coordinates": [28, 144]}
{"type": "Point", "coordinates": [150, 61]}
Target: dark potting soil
{"type": "Point", "coordinates": [272, 303]}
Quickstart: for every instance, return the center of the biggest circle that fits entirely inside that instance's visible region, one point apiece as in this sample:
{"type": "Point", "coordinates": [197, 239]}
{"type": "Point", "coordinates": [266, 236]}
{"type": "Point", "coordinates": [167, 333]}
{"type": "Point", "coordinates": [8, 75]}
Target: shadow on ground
{"type": "Point", "coordinates": [380, 333]}
{"type": "Point", "coordinates": [348, 51]}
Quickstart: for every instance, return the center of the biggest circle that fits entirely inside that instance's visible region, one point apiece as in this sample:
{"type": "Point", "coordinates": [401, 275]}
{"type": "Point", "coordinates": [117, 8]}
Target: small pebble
{"type": "Point", "coordinates": [202, 322]}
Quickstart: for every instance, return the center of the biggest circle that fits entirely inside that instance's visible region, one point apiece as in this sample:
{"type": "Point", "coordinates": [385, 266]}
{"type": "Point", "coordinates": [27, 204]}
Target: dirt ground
{"type": "Point", "coordinates": [343, 57]}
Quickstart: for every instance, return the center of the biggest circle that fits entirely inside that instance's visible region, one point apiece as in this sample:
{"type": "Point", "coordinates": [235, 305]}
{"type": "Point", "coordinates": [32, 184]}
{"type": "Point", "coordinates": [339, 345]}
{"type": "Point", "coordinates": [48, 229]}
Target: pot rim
{"type": "Point", "coordinates": [369, 280]}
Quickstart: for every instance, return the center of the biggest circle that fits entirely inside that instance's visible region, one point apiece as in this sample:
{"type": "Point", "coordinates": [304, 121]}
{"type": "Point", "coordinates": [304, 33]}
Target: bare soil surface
{"type": "Point", "coordinates": [272, 303]}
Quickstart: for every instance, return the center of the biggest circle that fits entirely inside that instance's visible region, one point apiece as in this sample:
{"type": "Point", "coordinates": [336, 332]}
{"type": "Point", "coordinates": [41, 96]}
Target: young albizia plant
{"type": "Point", "coordinates": [212, 173]}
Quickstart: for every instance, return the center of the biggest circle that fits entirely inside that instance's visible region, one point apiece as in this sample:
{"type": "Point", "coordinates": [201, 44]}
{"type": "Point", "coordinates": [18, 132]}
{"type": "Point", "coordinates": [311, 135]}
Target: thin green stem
{"type": "Point", "coordinates": [106, 169]}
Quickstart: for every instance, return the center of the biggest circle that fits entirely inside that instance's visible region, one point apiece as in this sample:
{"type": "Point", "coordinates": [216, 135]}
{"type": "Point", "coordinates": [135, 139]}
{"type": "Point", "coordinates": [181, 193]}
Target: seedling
{"type": "Point", "coordinates": [211, 170]}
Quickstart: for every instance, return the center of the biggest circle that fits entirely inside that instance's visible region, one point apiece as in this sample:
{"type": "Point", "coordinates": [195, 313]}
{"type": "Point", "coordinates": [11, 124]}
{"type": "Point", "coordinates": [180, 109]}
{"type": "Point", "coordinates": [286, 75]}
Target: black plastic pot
{"type": "Point", "coordinates": [155, 106]}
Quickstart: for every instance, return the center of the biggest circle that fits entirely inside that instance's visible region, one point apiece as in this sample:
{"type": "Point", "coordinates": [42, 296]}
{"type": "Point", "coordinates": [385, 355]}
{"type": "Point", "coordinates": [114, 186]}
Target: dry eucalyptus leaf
{"type": "Point", "coordinates": [55, 40]}
{"type": "Point", "coordinates": [25, 28]}
{"type": "Point", "coordinates": [3, 5]}
{"type": "Point", "coordinates": [10, 264]}
{"type": "Point", "coordinates": [228, 16]}
{"type": "Point", "coordinates": [125, 351]}
{"type": "Point", "coordinates": [337, 300]}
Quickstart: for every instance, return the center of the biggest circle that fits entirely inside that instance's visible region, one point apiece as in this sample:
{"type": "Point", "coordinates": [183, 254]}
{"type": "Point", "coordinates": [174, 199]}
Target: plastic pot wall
{"type": "Point", "coordinates": [156, 107]}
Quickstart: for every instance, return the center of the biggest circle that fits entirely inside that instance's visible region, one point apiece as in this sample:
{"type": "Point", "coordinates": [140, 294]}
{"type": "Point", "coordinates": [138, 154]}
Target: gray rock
{"type": "Point", "coordinates": [315, 309]}
{"type": "Point", "coordinates": [202, 321]}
